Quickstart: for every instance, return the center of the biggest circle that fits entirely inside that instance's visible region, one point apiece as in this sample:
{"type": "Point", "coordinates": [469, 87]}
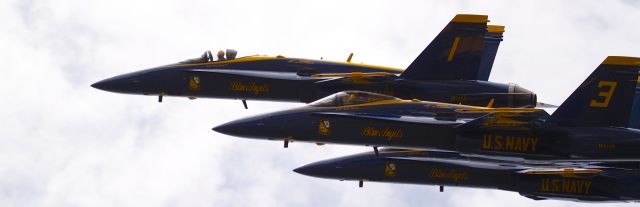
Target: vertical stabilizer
{"type": "Point", "coordinates": [455, 54]}
{"type": "Point", "coordinates": [492, 40]}
{"type": "Point", "coordinates": [605, 98]}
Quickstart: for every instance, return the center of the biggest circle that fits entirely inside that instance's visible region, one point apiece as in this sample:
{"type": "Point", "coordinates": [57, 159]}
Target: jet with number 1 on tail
{"type": "Point", "coordinates": [590, 125]}
{"type": "Point", "coordinates": [453, 68]}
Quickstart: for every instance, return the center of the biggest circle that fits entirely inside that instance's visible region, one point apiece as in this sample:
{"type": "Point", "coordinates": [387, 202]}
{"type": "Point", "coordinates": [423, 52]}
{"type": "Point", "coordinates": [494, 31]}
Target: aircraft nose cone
{"type": "Point", "coordinates": [125, 83]}
{"type": "Point", "coordinates": [308, 170]}
{"type": "Point", "coordinates": [114, 84]}
{"type": "Point", "coordinates": [233, 128]}
{"type": "Point", "coordinates": [104, 85]}
{"type": "Point", "coordinates": [319, 169]}
{"type": "Point", "coordinates": [255, 127]}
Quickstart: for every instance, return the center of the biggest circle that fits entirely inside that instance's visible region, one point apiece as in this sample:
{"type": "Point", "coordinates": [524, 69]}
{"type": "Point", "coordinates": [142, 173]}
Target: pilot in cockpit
{"type": "Point", "coordinates": [231, 54]}
{"type": "Point", "coordinates": [207, 57]}
{"type": "Point", "coordinates": [221, 55]}
{"type": "Point", "coordinates": [348, 99]}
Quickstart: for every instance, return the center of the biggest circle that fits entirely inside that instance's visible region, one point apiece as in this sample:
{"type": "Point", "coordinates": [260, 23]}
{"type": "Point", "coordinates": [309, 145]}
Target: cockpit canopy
{"type": "Point", "coordinates": [208, 57]}
{"type": "Point", "coordinates": [347, 98]}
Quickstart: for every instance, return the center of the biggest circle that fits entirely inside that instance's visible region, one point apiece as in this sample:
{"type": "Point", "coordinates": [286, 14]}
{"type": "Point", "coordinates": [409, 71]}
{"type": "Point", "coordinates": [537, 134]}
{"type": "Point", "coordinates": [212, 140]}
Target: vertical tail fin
{"type": "Point", "coordinates": [634, 121]}
{"type": "Point", "coordinates": [454, 54]}
{"type": "Point", "coordinates": [605, 98]}
{"type": "Point", "coordinates": [492, 40]}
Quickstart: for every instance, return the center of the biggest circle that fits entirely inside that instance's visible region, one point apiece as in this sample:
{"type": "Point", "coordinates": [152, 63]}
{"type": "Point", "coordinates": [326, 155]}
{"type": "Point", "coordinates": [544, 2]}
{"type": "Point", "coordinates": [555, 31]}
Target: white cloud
{"type": "Point", "coordinates": [65, 144]}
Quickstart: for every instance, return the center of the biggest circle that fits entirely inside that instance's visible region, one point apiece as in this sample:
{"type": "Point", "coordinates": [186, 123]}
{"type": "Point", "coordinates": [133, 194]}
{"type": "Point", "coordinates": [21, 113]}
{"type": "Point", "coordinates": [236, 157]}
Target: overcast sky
{"type": "Point", "coordinates": [63, 143]}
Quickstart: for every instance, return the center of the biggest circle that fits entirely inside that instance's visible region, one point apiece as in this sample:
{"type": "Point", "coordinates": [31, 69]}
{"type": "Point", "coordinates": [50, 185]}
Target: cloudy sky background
{"type": "Point", "coordinates": [63, 143]}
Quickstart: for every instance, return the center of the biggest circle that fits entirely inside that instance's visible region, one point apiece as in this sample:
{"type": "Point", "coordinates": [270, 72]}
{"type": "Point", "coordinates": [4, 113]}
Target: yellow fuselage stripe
{"type": "Point", "coordinates": [563, 172]}
{"type": "Point", "coordinates": [261, 58]}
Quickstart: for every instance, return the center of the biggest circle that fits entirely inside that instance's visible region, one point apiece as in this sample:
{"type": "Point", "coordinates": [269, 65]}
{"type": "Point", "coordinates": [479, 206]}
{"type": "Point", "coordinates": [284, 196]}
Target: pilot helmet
{"type": "Point", "coordinates": [231, 54]}
{"type": "Point", "coordinates": [220, 55]}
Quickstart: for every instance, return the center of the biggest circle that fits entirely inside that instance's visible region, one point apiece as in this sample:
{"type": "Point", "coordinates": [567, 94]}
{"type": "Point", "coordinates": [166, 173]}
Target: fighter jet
{"type": "Point", "coordinates": [590, 125]}
{"type": "Point", "coordinates": [575, 181]}
{"type": "Point", "coordinates": [453, 68]}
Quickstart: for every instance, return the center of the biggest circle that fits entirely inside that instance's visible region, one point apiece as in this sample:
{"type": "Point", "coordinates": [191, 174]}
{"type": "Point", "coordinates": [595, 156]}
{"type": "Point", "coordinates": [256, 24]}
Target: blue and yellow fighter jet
{"type": "Point", "coordinates": [575, 181]}
{"type": "Point", "coordinates": [590, 125]}
{"type": "Point", "coordinates": [453, 68]}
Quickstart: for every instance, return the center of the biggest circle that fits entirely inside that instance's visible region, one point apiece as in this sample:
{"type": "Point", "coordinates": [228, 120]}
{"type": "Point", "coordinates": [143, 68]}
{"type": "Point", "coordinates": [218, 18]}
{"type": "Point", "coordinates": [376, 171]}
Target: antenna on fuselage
{"type": "Point", "coordinates": [349, 58]}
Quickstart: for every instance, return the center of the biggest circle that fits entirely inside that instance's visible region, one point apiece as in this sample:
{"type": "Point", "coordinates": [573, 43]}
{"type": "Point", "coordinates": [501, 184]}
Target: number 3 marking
{"type": "Point", "coordinates": [606, 95]}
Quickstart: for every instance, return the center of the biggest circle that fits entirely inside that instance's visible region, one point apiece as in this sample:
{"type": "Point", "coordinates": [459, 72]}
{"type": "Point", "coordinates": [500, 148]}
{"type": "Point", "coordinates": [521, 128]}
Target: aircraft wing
{"type": "Point", "coordinates": [561, 171]}
{"type": "Point", "coordinates": [551, 168]}
{"type": "Point", "coordinates": [465, 161]}
{"type": "Point", "coordinates": [323, 79]}
{"type": "Point", "coordinates": [390, 118]}
{"type": "Point", "coordinates": [355, 78]}
{"type": "Point", "coordinates": [250, 73]}
{"type": "Point", "coordinates": [519, 118]}
{"type": "Point", "coordinates": [542, 167]}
